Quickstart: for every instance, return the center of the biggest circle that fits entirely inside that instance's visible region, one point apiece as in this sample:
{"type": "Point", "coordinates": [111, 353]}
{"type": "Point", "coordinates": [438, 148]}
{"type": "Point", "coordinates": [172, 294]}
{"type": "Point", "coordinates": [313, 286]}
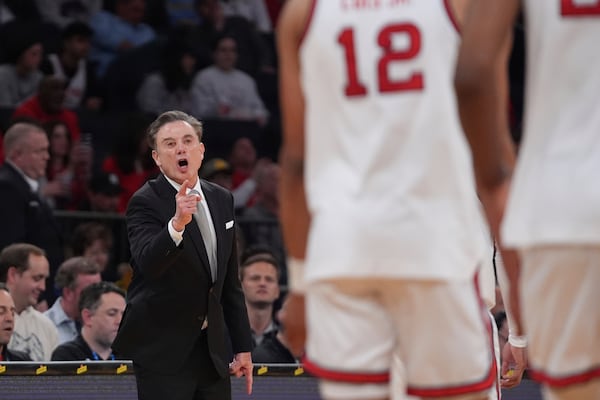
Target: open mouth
{"type": "Point", "coordinates": [182, 163]}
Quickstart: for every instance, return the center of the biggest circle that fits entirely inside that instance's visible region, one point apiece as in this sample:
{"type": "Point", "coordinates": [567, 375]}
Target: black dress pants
{"type": "Point", "coordinates": [196, 380]}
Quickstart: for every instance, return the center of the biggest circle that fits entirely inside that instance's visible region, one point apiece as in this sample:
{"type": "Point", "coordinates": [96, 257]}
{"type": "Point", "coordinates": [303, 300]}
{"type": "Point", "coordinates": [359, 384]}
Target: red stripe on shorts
{"type": "Point", "coordinates": [566, 380]}
{"type": "Point", "coordinates": [344, 376]}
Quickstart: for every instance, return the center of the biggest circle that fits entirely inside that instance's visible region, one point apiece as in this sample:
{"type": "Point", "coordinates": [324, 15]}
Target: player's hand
{"type": "Point", "coordinates": [185, 206]}
{"type": "Point", "coordinates": [514, 362]}
{"type": "Point", "coordinates": [242, 366]}
{"type": "Point", "coordinates": [292, 319]}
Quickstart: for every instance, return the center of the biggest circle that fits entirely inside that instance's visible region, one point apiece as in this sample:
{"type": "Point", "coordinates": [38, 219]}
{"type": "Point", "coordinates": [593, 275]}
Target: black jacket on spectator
{"type": "Point", "coordinates": [272, 351]}
{"type": "Point", "coordinates": [76, 350]}
{"type": "Point", "coordinates": [25, 217]}
{"type": "Point", "coordinates": [14, 355]}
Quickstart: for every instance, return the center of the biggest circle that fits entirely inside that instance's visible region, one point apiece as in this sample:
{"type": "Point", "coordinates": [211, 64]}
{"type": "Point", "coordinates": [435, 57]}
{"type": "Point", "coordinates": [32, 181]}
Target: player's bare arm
{"type": "Point", "coordinates": [293, 212]}
{"type": "Point", "coordinates": [482, 89]}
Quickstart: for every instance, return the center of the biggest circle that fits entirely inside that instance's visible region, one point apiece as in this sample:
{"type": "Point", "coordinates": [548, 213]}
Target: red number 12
{"type": "Point", "coordinates": [354, 87]}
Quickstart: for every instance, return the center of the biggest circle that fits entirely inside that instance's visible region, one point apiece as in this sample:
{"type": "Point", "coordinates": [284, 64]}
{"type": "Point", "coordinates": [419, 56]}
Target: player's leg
{"type": "Point", "coordinates": [350, 340]}
{"type": "Point", "coordinates": [560, 298]}
{"type": "Point", "coordinates": [445, 340]}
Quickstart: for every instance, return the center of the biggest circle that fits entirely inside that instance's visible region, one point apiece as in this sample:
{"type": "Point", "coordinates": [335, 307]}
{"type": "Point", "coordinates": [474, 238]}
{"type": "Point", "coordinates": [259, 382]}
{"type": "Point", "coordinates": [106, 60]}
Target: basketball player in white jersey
{"type": "Point", "coordinates": [552, 214]}
{"type": "Point", "coordinates": [378, 204]}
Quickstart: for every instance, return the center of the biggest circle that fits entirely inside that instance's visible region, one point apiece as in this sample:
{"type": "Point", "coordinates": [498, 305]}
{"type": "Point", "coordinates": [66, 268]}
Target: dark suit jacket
{"type": "Point", "coordinates": [25, 218]}
{"type": "Point", "coordinates": [172, 290]}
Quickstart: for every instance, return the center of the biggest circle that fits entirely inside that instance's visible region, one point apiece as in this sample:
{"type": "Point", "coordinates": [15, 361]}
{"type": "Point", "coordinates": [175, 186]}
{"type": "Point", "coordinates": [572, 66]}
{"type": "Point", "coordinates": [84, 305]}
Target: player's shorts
{"type": "Point", "coordinates": [374, 338]}
{"type": "Point", "coordinates": [560, 300]}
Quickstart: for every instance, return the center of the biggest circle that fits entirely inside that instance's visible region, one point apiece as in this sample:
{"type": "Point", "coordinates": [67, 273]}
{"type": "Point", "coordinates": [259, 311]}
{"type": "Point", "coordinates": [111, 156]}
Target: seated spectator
{"type": "Point", "coordinates": [263, 216]}
{"type": "Point", "coordinates": [24, 269]}
{"type": "Point", "coordinates": [57, 186]}
{"type": "Point", "coordinates": [243, 160]}
{"type": "Point", "coordinates": [117, 32]}
{"type": "Point", "coordinates": [255, 11]}
{"type": "Point", "coordinates": [101, 308]}
{"type": "Point", "coordinates": [103, 193]}
{"type": "Point", "coordinates": [94, 241]}
{"type": "Point", "coordinates": [69, 168]}
{"type": "Point", "coordinates": [222, 91]}
{"type": "Point", "coordinates": [254, 54]}
{"type": "Point", "coordinates": [64, 12]}
{"type": "Point", "coordinates": [24, 214]}
{"type": "Point", "coordinates": [169, 88]}
{"type": "Point", "coordinates": [131, 159]}
{"type": "Point", "coordinates": [74, 275]}
{"type": "Point", "coordinates": [20, 76]}
{"type": "Point", "coordinates": [47, 105]}
{"type": "Point", "coordinates": [72, 65]}
{"type": "Point", "coordinates": [7, 325]}
{"type": "Point", "coordinates": [259, 276]}
{"type": "Point", "coordinates": [219, 171]}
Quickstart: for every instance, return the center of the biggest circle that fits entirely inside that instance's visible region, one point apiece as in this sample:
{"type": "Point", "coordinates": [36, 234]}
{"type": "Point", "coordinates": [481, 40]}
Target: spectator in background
{"type": "Point", "coordinates": [255, 11]}
{"type": "Point", "coordinates": [222, 91]}
{"type": "Point", "coordinates": [64, 12]}
{"type": "Point", "coordinates": [243, 160]}
{"type": "Point", "coordinates": [103, 193]}
{"type": "Point", "coordinates": [59, 175]}
{"type": "Point", "coordinates": [117, 32]}
{"type": "Point", "coordinates": [254, 54]}
{"type": "Point", "coordinates": [74, 275]}
{"type": "Point", "coordinates": [219, 171]}
{"type": "Point", "coordinates": [69, 167]}
{"type": "Point", "coordinates": [72, 65]}
{"type": "Point", "coordinates": [263, 216]}
{"type": "Point", "coordinates": [131, 159]}
{"type": "Point", "coordinates": [7, 325]}
{"type": "Point", "coordinates": [24, 269]}
{"type": "Point", "coordinates": [169, 88]}
{"type": "Point", "coordinates": [94, 242]}
{"type": "Point", "coordinates": [20, 75]}
{"type": "Point", "coordinates": [47, 105]}
{"type": "Point", "coordinates": [25, 215]}
{"type": "Point", "coordinates": [259, 275]}
{"type": "Point", "coordinates": [101, 308]}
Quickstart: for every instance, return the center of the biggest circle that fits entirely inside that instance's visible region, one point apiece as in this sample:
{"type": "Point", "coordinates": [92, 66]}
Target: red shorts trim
{"type": "Point", "coordinates": [448, 391]}
{"type": "Point", "coordinates": [564, 381]}
{"type": "Point", "coordinates": [348, 377]}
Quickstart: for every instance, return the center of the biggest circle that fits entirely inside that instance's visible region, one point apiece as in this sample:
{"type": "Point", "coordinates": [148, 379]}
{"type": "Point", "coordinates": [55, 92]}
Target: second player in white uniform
{"type": "Point", "coordinates": [552, 215]}
{"type": "Point", "coordinates": [395, 237]}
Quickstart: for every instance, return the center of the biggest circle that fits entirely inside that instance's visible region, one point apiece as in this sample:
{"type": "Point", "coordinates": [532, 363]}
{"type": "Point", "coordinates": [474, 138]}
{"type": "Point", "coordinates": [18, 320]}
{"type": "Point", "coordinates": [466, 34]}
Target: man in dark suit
{"type": "Point", "coordinates": [185, 288]}
{"type": "Point", "coordinates": [25, 215]}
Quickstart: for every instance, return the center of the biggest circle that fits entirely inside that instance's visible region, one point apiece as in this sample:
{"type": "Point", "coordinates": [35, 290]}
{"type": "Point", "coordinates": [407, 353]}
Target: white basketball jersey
{"type": "Point", "coordinates": [388, 173]}
{"type": "Point", "coordinates": [555, 197]}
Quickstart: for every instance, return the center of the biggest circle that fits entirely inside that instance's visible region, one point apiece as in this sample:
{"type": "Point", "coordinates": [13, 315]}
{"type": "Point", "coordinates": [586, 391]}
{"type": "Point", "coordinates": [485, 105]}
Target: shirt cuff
{"type": "Point", "coordinates": [176, 236]}
{"type": "Point", "coordinates": [296, 281]}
